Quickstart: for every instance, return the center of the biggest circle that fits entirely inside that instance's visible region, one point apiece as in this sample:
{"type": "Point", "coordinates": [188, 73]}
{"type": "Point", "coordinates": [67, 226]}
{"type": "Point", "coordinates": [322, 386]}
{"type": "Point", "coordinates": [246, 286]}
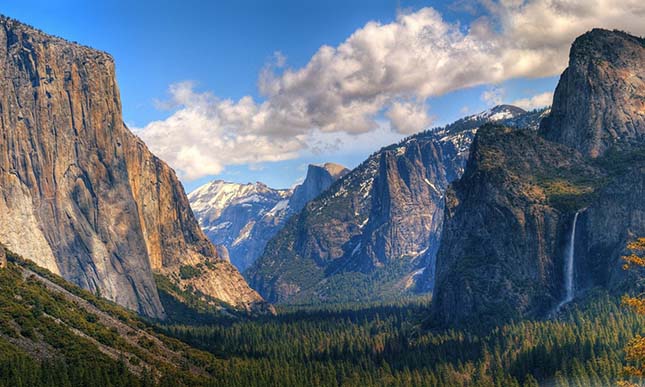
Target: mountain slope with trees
{"type": "Point", "coordinates": [374, 234]}
{"type": "Point", "coordinates": [82, 195]}
{"type": "Point", "coordinates": [527, 198]}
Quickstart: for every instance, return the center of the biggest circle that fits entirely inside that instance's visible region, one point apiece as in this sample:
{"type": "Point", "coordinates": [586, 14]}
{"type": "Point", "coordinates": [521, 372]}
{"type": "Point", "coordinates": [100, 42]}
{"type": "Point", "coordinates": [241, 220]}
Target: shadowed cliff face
{"type": "Point", "coordinates": [372, 235]}
{"type": "Point", "coordinates": [318, 179]}
{"type": "Point", "coordinates": [616, 217]}
{"type": "Point", "coordinates": [599, 98]}
{"type": "Point", "coordinates": [508, 220]}
{"type": "Point", "coordinates": [506, 226]}
{"type": "Point", "coordinates": [81, 195]}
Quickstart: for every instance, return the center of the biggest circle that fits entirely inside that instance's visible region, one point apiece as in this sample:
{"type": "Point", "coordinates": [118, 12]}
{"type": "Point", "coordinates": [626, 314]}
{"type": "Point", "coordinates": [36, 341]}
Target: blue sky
{"type": "Point", "coordinates": [222, 48]}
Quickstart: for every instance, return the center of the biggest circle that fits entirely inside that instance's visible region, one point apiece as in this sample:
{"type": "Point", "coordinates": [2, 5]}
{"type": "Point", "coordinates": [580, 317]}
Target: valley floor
{"type": "Point", "coordinates": [54, 334]}
{"type": "Point", "coordinates": [394, 346]}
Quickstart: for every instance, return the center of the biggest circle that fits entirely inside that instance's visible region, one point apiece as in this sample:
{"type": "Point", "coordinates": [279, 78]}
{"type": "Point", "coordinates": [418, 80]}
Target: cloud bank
{"type": "Point", "coordinates": [381, 70]}
{"type": "Point", "coordinates": [534, 102]}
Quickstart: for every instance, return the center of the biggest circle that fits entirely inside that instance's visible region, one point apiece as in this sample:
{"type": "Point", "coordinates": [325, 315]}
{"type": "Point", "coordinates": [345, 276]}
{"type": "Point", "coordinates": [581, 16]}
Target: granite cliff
{"type": "Point", "coordinates": [599, 99]}
{"type": "Point", "coordinates": [509, 221]}
{"type": "Point", "coordinates": [81, 195]}
{"type": "Point", "coordinates": [374, 233]}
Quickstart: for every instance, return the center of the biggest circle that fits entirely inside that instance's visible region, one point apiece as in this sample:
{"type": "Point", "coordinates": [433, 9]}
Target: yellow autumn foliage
{"type": "Point", "coordinates": [635, 349]}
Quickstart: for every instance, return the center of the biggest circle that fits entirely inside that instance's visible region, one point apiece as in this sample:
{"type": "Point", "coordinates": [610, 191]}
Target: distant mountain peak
{"type": "Point", "coordinates": [318, 179]}
{"type": "Point", "coordinates": [498, 113]}
{"type": "Point", "coordinates": [335, 170]}
{"type": "Point", "coordinates": [219, 194]}
{"type": "Point", "coordinates": [243, 217]}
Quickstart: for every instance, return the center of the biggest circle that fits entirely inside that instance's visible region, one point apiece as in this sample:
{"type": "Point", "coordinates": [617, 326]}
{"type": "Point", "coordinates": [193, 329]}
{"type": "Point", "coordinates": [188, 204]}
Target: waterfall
{"type": "Point", "coordinates": [569, 265]}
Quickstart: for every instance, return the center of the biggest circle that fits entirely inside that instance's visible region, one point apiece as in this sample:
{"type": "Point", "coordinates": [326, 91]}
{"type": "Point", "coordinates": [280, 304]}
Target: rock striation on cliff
{"type": "Point", "coordinates": [81, 195]}
{"type": "Point", "coordinates": [509, 221]}
{"type": "Point", "coordinates": [3, 257]}
{"type": "Point", "coordinates": [373, 234]}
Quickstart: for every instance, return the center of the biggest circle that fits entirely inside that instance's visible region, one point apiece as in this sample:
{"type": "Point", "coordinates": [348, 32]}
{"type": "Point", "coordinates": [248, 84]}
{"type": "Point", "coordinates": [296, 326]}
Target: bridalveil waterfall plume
{"type": "Point", "coordinates": [569, 264]}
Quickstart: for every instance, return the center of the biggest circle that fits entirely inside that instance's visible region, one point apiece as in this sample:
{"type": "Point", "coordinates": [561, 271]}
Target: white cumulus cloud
{"type": "Point", "coordinates": [381, 70]}
{"type": "Point", "coordinates": [493, 96]}
{"type": "Point", "coordinates": [205, 134]}
{"type": "Point", "coordinates": [408, 117]}
{"type": "Point", "coordinates": [534, 102]}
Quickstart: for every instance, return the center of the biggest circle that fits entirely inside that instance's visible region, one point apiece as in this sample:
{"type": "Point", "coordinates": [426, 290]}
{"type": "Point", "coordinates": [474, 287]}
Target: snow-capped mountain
{"type": "Point", "coordinates": [498, 113]}
{"type": "Point", "coordinates": [374, 235]}
{"type": "Point", "coordinates": [243, 217]}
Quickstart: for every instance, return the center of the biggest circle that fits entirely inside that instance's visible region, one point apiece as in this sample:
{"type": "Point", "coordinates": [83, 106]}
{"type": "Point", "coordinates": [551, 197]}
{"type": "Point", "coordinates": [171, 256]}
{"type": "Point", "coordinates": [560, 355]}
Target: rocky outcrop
{"type": "Point", "coordinates": [509, 219]}
{"type": "Point", "coordinates": [373, 234]}
{"type": "Point", "coordinates": [318, 179]}
{"type": "Point", "coordinates": [81, 195]}
{"type": "Point", "coordinates": [3, 257]}
{"type": "Point", "coordinates": [506, 226]}
{"type": "Point", "coordinates": [243, 217]}
{"type": "Point", "coordinates": [599, 98]}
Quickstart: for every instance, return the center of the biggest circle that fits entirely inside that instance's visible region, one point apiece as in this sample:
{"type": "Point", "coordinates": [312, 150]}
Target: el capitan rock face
{"type": "Point", "coordinates": [3, 257]}
{"type": "Point", "coordinates": [509, 219]}
{"type": "Point", "coordinates": [81, 195]}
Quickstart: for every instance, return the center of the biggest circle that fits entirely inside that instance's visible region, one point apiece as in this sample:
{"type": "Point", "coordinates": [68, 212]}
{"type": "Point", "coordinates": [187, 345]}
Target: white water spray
{"type": "Point", "coordinates": [569, 265]}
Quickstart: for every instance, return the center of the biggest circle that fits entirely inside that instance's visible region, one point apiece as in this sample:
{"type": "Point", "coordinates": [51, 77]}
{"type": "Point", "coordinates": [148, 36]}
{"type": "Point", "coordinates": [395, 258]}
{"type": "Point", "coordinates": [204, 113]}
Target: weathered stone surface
{"type": "Point", "coordinates": [3, 257]}
{"type": "Point", "coordinates": [509, 218]}
{"type": "Point", "coordinates": [374, 234]}
{"type": "Point", "coordinates": [81, 195]}
{"type": "Point", "coordinates": [599, 99]}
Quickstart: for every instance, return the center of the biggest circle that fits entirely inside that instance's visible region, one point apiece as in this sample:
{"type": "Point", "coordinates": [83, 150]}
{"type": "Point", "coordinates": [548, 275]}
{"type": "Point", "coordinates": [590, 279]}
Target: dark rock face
{"type": "Point", "coordinates": [374, 233]}
{"type": "Point", "coordinates": [615, 218]}
{"type": "Point", "coordinates": [81, 195]}
{"type": "Point", "coordinates": [508, 220]}
{"type": "Point", "coordinates": [599, 98]}
{"type": "Point", "coordinates": [3, 257]}
{"type": "Point", "coordinates": [243, 217]}
{"type": "Point", "coordinates": [506, 226]}
{"type": "Point", "coordinates": [318, 179]}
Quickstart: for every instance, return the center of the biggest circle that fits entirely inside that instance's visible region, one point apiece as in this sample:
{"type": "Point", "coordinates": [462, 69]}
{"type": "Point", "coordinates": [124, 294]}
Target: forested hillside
{"type": "Point", "coordinates": [392, 346]}
{"type": "Point", "coordinates": [55, 334]}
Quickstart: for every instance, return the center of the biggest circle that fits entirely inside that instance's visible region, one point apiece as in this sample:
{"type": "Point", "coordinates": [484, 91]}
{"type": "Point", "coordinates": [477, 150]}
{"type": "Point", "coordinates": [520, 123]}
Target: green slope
{"type": "Point", "coordinates": [53, 333]}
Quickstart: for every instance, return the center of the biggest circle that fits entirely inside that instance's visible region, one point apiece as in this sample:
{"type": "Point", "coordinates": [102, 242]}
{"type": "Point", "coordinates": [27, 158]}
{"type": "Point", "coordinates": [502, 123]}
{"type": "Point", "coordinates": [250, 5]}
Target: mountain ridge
{"type": "Point", "coordinates": [243, 217]}
{"type": "Point", "coordinates": [374, 232]}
